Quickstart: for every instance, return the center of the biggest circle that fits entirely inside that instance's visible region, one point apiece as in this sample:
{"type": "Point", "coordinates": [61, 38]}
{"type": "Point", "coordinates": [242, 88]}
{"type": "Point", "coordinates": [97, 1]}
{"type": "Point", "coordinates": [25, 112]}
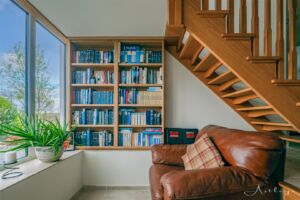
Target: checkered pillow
{"type": "Point", "coordinates": [202, 154]}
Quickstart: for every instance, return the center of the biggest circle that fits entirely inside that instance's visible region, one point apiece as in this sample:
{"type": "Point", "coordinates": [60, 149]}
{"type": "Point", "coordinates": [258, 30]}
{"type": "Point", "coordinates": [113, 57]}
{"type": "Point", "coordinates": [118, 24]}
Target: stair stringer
{"type": "Point", "coordinates": [233, 53]}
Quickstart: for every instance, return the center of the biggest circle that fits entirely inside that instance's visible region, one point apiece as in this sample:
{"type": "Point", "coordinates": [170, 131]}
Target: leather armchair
{"type": "Point", "coordinates": [254, 166]}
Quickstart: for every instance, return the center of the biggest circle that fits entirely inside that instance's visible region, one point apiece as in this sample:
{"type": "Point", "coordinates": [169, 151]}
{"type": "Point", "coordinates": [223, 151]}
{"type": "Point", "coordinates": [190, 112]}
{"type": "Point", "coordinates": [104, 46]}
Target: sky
{"type": "Point", "coordinates": [13, 19]}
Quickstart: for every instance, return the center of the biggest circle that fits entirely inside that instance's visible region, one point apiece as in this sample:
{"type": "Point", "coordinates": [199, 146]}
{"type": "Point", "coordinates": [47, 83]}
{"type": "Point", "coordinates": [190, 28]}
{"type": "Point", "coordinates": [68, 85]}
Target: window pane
{"type": "Point", "coordinates": [49, 74]}
{"type": "Point", "coordinates": [12, 64]}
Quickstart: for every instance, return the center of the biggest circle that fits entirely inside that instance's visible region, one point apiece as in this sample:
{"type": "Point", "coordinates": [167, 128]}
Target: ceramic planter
{"type": "Point", "coordinates": [48, 154]}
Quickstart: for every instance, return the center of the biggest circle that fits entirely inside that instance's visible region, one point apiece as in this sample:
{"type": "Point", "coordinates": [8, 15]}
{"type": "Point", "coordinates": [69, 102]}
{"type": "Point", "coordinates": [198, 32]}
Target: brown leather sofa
{"type": "Point", "coordinates": [254, 166]}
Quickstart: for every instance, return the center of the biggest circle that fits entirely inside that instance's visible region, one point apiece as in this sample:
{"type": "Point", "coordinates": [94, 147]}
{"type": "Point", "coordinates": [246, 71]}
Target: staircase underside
{"type": "Point", "coordinates": [233, 53]}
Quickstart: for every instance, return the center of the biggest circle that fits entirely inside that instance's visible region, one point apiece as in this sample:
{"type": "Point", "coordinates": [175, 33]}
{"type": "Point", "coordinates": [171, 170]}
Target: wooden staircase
{"type": "Point", "coordinates": [229, 64]}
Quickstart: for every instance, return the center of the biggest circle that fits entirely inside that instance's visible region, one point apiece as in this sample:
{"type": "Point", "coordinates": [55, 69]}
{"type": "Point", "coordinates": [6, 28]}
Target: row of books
{"type": "Point", "coordinates": [90, 76]}
{"type": "Point", "coordinates": [93, 116]}
{"type": "Point", "coordinates": [146, 138]}
{"type": "Point", "coordinates": [141, 75]}
{"type": "Point", "coordinates": [90, 96]}
{"type": "Point", "coordinates": [93, 138]}
{"type": "Point", "coordinates": [93, 56]}
{"type": "Point", "coordinates": [129, 116]}
{"type": "Point", "coordinates": [153, 95]}
{"type": "Point", "coordinates": [138, 54]}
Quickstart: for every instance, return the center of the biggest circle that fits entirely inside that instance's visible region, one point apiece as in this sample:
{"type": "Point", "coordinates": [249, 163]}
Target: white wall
{"type": "Point", "coordinates": [188, 102]}
{"type": "Point", "coordinates": [58, 182]}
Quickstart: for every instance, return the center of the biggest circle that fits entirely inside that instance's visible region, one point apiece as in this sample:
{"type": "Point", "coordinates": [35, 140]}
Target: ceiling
{"type": "Point", "coordinates": [106, 17]}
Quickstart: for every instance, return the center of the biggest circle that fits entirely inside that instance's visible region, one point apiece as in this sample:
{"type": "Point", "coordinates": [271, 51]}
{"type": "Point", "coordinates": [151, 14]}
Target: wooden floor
{"type": "Point", "coordinates": [96, 194]}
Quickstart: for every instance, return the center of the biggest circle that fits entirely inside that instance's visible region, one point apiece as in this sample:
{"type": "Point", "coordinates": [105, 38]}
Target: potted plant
{"type": "Point", "coordinates": [47, 137]}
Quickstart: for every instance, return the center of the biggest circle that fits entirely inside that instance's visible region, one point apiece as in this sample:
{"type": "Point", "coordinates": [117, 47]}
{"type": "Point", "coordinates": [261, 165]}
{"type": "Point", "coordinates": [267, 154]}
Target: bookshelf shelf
{"type": "Point", "coordinates": [93, 85]}
{"type": "Point", "coordinates": [140, 85]}
{"type": "Point", "coordinates": [140, 126]}
{"type": "Point", "coordinates": [93, 126]}
{"type": "Point", "coordinates": [112, 148]}
{"type": "Point", "coordinates": [83, 59]}
{"type": "Point", "coordinates": [140, 105]}
{"type": "Point", "coordinates": [105, 65]}
{"type": "Point", "coordinates": [140, 64]}
{"type": "Point", "coordinates": [91, 105]}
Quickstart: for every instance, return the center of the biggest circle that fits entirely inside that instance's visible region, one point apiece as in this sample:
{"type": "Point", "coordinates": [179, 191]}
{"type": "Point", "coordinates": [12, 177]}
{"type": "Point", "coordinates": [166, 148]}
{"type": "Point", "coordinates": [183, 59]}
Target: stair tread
{"type": "Point", "coordinates": [212, 13]}
{"type": "Point", "coordinates": [286, 82]}
{"type": "Point", "coordinates": [290, 138]}
{"type": "Point", "coordinates": [254, 108]}
{"type": "Point", "coordinates": [263, 59]}
{"type": "Point", "coordinates": [222, 78]}
{"type": "Point", "coordinates": [238, 36]}
{"type": "Point", "coordinates": [189, 47]}
{"type": "Point", "coordinates": [195, 57]}
{"type": "Point", "coordinates": [207, 62]}
{"type": "Point", "coordinates": [228, 84]}
{"type": "Point", "coordinates": [243, 99]}
{"type": "Point", "coordinates": [212, 70]}
{"type": "Point", "coordinates": [238, 93]}
{"type": "Point", "coordinates": [271, 123]}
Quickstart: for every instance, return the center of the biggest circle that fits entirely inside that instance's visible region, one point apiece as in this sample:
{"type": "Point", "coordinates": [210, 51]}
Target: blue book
{"type": "Point", "coordinates": [88, 137]}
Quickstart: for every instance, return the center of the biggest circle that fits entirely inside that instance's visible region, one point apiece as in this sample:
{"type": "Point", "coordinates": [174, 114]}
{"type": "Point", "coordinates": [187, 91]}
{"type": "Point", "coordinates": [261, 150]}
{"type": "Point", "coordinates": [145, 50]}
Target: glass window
{"type": "Point", "coordinates": [13, 23]}
{"type": "Point", "coordinates": [49, 73]}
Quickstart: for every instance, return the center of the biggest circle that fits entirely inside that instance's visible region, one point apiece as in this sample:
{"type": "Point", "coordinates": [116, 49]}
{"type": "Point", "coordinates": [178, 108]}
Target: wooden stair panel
{"type": "Point", "coordinates": [244, 99]}
{"type": "Point", "coordinates": [274, 126]}
{"type": "Point", "coordinates": [224, 77]}
{"type": "Point", "coordinates": [212, 13]}
{"type": "Point", "coordinates": [212, 70]}
{"type": "Point", "coordinates": [173, 34]}
{"type": "Point", "coordinates": [195, 57]}
{"type": "Point", "coordinates": [290, 139]}
{"type": "Point", "coordinates": [233, 55]}
{"type": "Point", "coordinates": [208, 61]}
{"type": "Point", "coordinates": [228, 84]}
{"type": "Point", "coordinates": [189, 47]}
{"type": "Point", "coordinates": [239, 93]}
{"type": "Point", "coordinates": [263, 59]}
{"type": "Point", "coordinates": [260, 113]}
{"type": "Point", "coordinates": [251, 108]}
{"type": "Point", "coordinates": [238, 36]}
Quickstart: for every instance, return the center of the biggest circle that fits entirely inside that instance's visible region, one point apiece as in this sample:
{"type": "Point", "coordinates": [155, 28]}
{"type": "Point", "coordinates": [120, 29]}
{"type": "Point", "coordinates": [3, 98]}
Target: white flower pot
{"type": "Point", "coordinates": [48, 154]}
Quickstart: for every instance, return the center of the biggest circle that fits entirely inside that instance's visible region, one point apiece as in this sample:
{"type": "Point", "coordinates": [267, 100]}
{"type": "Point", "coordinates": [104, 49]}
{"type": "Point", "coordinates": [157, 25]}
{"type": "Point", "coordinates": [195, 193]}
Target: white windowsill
{"type": "Point", "coordinates": [31, 168]}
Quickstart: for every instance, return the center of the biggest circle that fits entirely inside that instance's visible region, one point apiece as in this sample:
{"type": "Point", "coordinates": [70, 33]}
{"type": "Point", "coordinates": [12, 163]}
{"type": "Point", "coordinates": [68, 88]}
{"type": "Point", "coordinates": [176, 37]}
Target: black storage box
{"type": "Point", "coordinates": [173, 136]}
{"type": "Point", "coordinates": [189, 135]}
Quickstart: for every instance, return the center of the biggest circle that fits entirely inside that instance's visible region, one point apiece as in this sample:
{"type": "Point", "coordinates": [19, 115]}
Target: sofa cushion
{"type": "Point", "coordinates": [155, 174]}
{"type": "Point", "coordinates": [202, 154]}
{"type": "Point", "coordinates": [259, 152]}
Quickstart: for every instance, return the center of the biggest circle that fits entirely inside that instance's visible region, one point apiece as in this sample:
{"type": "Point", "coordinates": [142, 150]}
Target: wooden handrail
{"type": "Point", "coordinates": [292, 57]}
{"type": "Point", "coordinates": [243, 16]}
{"type": "Point", "coordinates": [268, 29]}
{"type": "Point", "coordinates": [255, 28]}
{"type": "Point", "coordinates": [280, 40]}
{"type": "Point", "coordinates": [230, 17]}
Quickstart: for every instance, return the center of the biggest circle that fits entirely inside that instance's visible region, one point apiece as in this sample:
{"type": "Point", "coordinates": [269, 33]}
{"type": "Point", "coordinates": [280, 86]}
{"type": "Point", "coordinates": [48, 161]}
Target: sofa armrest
{"type": "Point", "coordinates": [168, 154]}
{"type": "Point", "coordinates": [194, 184]}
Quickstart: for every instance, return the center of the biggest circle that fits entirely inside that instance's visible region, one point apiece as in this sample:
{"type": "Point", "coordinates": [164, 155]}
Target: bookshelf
{"type": "Point", "coordinates": [152, 47]}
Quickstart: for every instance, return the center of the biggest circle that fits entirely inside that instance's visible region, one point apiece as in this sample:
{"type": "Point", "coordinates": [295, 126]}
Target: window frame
{"type": "Point", "coordinates": [34, 16]}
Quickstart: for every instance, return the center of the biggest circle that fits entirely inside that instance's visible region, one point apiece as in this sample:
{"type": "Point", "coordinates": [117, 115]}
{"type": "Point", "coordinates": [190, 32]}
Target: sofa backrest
{"type": "Point", "coordinates": [258, 152]}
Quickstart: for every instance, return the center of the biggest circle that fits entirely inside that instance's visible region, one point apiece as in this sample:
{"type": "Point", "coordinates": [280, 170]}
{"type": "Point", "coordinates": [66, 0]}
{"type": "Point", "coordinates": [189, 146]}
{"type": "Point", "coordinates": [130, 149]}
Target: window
{"type": "Point", "coordinates": [49, 74]}
{"type": "Point", "coordinates": [13, 21]}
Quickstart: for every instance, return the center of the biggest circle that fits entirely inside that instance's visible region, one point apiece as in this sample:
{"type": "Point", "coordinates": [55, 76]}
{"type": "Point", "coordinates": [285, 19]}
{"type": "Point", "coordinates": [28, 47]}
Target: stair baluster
{"type": "Point", "coordinates": [292, 57]}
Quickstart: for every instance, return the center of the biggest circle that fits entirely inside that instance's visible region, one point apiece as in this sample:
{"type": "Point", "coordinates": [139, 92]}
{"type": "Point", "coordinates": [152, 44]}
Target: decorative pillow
{"type": "Point", "coordinates": [202, 154]}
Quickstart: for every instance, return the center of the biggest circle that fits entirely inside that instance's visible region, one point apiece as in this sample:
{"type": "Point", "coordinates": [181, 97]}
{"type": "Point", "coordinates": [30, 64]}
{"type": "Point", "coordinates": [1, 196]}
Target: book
{"type": "Point", "coordinates": [90, 76]}
{"type": "Point", "coordinates": [93, 56]}
{"type": "Point", "coordinates": [153, 95]}
{"type": "Point", "coordinates": [141, 75]}
{"type": "Point", "coordinates": [90, 96]}
{"type": "Point", "coordinates": [93, 116]}
{"type": "Point", "coordinates": [93, 138]}
{"type": "Point", "coordinates": [129, 116]}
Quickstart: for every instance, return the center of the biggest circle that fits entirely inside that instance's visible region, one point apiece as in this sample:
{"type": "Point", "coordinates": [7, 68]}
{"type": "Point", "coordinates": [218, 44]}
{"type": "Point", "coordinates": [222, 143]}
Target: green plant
{"type": "Point", "coordinates": [33, 132]}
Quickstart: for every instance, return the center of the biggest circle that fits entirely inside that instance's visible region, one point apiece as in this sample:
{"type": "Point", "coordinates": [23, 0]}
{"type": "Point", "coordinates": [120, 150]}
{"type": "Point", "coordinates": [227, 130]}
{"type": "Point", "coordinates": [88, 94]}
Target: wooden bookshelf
{"type": "Point", "coordinates": [113, 43]}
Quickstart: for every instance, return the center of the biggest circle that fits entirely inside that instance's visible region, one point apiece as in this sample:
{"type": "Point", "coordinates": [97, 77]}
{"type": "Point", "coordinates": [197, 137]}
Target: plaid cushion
{"type": "Point", "coordinates": [202, 154]}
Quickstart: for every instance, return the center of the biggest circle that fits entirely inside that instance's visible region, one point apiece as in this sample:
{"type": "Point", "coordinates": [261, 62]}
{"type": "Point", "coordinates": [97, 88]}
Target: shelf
{"type": "Point", "coordinates": [93, 126]}
{"type": "Point", "coordinates": [112, 148]}
{"type": "Point", "coordinates": [140, 64]}
{"type": "Point", "coordinates": [93, 64]}
{"type": "Point", "coordinates": [140, 85]}
{"type": "Point", "coordinates": [91, 105]}
{"type": "Point", "coordinates": [140, 126]}
{"type": "Point", "coordinates": [140, 105]}
{"type": "Point", "coordinates": [92, 85]}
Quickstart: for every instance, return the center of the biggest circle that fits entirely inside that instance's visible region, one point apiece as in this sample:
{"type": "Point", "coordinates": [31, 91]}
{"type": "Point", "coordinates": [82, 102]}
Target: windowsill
{"type": "Point", "coordinates": [32, 168]}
